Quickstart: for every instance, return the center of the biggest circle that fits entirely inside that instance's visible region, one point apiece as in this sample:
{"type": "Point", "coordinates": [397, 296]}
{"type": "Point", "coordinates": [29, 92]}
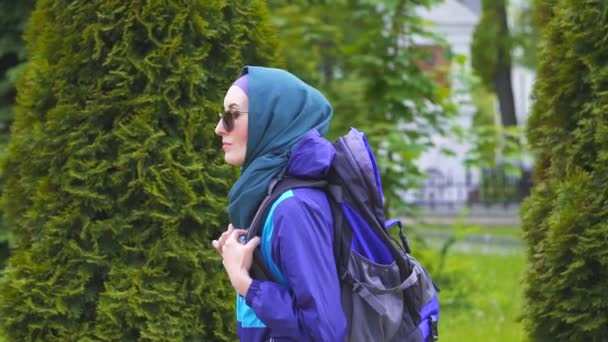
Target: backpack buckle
{"type": "Point", "coordinates": [434, 333]}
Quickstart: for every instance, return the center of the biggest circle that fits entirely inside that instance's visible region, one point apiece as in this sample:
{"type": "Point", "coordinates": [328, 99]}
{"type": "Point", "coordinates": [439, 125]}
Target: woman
{"type": "Point", "coordinates": [271, 127]}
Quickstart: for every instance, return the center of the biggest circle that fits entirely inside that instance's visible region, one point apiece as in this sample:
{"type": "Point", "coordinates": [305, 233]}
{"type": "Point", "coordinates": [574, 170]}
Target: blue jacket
{"type": "Point", "coordinates": [297, 245]}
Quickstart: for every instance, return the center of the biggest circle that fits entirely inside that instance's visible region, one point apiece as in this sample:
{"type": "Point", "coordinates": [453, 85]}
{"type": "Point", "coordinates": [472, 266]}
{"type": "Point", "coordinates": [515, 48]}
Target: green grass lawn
{"type": "Point", "coordinates": [494, 306]}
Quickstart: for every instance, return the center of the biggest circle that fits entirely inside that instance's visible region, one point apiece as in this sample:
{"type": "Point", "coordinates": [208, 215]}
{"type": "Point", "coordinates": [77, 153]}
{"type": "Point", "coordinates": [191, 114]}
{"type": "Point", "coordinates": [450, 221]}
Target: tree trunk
{"type": "Point", "coordinates": [502, 76]}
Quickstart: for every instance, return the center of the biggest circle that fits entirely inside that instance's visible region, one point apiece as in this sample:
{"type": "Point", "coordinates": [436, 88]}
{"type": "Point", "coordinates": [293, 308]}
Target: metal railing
{"type": "Point", "coordinates": [496, 193]}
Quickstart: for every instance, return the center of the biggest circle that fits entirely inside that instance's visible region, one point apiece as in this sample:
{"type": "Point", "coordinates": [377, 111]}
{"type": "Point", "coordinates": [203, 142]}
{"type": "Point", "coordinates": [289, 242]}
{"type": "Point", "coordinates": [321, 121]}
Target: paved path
{"type": "Point", "coordinates": [476, 243]}
{"type": "Point", "coordinates": [476, 220]}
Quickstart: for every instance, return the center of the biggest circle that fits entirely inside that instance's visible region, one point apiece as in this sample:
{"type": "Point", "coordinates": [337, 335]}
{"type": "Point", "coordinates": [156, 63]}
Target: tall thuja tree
{"type": "Point", "coordinates": [115, 185]}
{"type": "Point", "coordinates": [565, 220]}
{"type": "Point", "coordinates": [13, 20]}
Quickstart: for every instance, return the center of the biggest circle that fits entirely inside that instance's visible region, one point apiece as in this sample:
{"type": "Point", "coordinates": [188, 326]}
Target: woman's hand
{"type": "Point", "coordinates": [237, 258]}
{"type": "Point", "coordinates": [219, 243]}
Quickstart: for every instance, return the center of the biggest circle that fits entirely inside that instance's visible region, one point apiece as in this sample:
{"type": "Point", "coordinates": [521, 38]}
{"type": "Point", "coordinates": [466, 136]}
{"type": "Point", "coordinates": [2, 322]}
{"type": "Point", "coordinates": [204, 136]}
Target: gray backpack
{"type": "Point", "coordinates": [386, 294]}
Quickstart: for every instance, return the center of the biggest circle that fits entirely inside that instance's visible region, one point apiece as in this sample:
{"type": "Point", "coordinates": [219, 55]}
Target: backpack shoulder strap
{"type": "Point", "coordinates": [259, 270]}
{"type": "Point", "coordinates": [275, 190]}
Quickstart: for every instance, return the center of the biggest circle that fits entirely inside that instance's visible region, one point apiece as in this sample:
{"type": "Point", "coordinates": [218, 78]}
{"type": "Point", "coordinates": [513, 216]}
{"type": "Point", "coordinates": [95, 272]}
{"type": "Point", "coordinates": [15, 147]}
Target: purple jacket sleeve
{"type": "Point", "coordinates": [310, 310]}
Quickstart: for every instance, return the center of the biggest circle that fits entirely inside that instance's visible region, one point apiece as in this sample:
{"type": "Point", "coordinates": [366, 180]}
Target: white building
{"type": "Point", "coordinates": [449, 181]}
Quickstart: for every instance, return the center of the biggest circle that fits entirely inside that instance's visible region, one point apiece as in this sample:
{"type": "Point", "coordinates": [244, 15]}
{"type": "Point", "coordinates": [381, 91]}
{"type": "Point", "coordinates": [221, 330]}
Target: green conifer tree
{"type": "Point", "coordinates": [13, 20]}
{"type": "Point", "coordinates": [565, 220]}
{"type": "Point", "coordinates": [115, 184]}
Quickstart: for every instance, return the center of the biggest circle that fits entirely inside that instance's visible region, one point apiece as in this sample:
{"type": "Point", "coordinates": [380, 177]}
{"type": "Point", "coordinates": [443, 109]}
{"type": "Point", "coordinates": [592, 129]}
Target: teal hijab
{"type": "Point", "coordinates": [282, 108]}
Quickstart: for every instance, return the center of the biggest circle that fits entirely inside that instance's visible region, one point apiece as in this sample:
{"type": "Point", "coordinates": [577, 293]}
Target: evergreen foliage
{"type": "Point", "coordinates": [565, 220]}
{"type": "Point", "coordinates": [13, 20]}
{"type": "Point", "coordinates": [114, 181]}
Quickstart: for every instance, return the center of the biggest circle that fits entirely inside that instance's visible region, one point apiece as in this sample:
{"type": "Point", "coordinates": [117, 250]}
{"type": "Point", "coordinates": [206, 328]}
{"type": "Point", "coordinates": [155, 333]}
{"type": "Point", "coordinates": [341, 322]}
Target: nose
{"type": "Point", "coordinates": [219, 128]}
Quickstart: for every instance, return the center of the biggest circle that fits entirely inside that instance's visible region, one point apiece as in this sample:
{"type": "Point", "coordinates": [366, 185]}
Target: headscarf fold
{"type": "Point", "coordinates": [282, 108]}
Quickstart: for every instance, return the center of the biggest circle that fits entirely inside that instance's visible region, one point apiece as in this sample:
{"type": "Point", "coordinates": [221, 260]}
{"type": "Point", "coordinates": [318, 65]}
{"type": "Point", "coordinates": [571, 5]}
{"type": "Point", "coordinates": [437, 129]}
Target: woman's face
{"type": "Point", "coordinates": [234, 142]}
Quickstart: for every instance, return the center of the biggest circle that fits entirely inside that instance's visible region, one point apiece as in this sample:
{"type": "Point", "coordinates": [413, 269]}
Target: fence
{"type": "Point", "coordinates": [496, 194]}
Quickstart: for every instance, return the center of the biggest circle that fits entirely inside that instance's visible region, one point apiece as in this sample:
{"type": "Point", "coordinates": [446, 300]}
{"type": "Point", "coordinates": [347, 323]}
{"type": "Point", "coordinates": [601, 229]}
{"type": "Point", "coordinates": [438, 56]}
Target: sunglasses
{"type": "Point", "coordinates": [229, 116]}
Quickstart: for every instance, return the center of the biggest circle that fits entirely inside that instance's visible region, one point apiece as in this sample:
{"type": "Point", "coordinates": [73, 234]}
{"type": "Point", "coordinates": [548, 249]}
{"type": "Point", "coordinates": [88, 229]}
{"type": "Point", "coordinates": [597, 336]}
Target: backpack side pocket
{"type": "Point", "coordinates": [373, 302]}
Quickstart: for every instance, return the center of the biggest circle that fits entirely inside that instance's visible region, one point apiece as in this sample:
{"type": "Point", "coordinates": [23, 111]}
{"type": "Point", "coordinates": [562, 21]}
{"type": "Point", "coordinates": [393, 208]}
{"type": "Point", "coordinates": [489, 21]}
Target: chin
{"type": "Point", "coordinates": [233, 160]}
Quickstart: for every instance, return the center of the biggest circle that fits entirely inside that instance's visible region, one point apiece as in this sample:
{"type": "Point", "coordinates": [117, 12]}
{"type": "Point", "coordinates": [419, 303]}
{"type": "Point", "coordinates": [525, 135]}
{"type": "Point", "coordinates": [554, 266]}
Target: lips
{"type": "Point", "coordinates": [225, 145]}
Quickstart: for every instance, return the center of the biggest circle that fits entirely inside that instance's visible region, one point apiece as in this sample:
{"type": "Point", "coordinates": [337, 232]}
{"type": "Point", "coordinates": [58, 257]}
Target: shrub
{"type": "Point", "coordinates": [565, 220]}
{"type": "Point", "coordinates": [114, 182]}
{"type": "Point", "coordinates": [13, 20]}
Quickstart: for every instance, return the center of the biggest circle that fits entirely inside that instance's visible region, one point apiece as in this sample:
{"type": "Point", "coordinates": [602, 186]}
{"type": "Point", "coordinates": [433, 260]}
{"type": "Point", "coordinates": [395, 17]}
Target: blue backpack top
{"type": "Point", "coordinates": [386, 294]}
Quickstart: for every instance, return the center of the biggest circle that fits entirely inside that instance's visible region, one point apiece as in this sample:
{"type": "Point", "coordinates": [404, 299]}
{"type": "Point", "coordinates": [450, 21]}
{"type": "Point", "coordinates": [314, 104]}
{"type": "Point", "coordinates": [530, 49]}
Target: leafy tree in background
{"type": "Point", "coordinates": [500, 148]}
{"type": "Point", "coordinates": [13, 19]}
{"type": "Point", "coordinates": [114, 180]}
{"type": "Point", "coordinates": [565, 220]}
{"type": "Point", "coordinates": [525, 35]}
{"type": "Point", "coordinates": [363, 56]}
{"type": "Point", "coordinates": [491, 56]}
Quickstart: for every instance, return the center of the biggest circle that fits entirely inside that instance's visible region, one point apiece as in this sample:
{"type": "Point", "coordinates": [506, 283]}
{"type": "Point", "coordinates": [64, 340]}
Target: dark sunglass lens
{"type": "Point", "coordinates": [228, 120]}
